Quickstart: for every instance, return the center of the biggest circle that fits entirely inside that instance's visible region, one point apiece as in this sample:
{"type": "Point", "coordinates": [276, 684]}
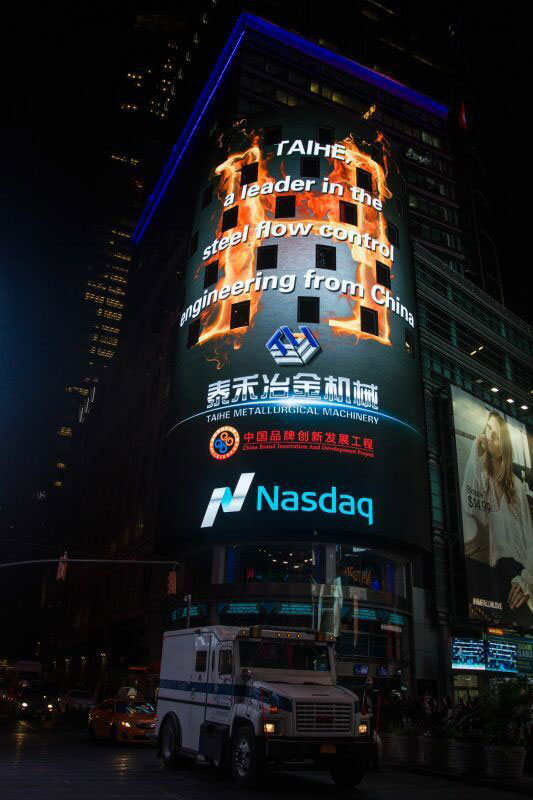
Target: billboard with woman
{"type": "Point", "coordinates": [496, 497]}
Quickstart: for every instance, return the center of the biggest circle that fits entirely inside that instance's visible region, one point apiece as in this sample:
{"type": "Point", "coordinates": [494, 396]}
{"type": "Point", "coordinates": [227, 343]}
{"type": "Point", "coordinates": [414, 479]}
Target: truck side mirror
{"type": "Point", "coordinates": [246, 674]}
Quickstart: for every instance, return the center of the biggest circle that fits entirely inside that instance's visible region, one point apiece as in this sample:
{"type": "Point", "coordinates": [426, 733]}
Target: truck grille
{"type": "Point", "coordinates": [323, 717]}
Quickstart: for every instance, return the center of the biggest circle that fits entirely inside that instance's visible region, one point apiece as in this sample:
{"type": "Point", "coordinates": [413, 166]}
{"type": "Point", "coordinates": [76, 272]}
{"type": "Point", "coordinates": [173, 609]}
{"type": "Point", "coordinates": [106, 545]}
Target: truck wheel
{"type": "Point", "coordinates": [346, 774]}
{"type": "Point", "coordinates": [169, 745]}
{"type": "Point", "coordinates": [245, 761]}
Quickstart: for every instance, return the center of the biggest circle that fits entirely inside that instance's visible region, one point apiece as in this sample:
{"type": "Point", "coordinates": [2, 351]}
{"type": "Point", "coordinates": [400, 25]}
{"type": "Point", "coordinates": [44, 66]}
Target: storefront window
{"type": "Point", "coordinates": [366, 569]}
{"type": "Point", "coordinates": [274, 564]}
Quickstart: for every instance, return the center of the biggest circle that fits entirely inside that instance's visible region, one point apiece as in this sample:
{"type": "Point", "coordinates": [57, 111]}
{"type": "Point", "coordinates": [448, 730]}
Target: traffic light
{"type": "Point", "coordinates": [62, 567]}
{"type": "Point", "coordinates": [171, 582]}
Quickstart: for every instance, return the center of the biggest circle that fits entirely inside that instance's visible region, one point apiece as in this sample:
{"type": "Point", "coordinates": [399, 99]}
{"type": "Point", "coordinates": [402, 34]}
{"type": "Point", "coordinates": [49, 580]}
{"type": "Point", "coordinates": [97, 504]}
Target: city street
{"type": "Point", "coordinates": [55, 759]}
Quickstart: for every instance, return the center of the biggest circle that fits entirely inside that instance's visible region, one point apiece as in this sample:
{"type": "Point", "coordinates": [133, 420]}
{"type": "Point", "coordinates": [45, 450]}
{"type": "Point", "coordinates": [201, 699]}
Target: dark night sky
{"type": "Point", "coordinates": [58, 94]}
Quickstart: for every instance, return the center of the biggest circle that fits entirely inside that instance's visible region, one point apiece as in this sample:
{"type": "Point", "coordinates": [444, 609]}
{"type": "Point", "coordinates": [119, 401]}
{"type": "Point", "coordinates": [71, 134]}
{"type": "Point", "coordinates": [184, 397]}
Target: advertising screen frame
{"type": "Point", "coordinates": [490, 611]}
{"type": "Point", "coordinates": [343, 524]}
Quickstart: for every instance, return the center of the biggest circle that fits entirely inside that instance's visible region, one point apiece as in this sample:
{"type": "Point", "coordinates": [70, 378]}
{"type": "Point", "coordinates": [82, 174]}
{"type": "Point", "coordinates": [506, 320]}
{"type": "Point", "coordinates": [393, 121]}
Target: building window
{"type": "Point", "coordinates": [207, 196]}
{"type": "Point", "coordinates": [325, 135]}
{"type": "Point", "coordinates": [348, 212]}
{"type": "Point", "coordinates": [364, 179]}
{"type": "Point", "coordinates": [326, 257]}
{"type": "Point", "coordinates": [230, 218]}
{"type": "Point", "coordinates": [369, 321]}
{"type": "Point", "coordinates": [285, 207]}
{"type": "Point", "coordinates": [249, 173]}
{"type": "Point", "coordinates": [308, 309]}
{"type": "Point", "coordinates": [267, 257]}
{"type": "Point", "coordinates": [285, 563]}
{"type": "Point", "coordinates": [211, 274]}
{"type": "Point", "coordinates": [273, 135]}
{"type": "Point", "coordinates": [193, 245]}
{"type": "Point", "coordinates": [382, 274]}
{"type": "Point", "coordinates": [240, 314]}
{"type": "Point", "coordinates": [193, 334]}
{"type": "Point", "coordinates": [393, 235]}
{"type": "Point", "coordinates": [309, 167]}
{"type": "Point", "coordinates": [409, 343]}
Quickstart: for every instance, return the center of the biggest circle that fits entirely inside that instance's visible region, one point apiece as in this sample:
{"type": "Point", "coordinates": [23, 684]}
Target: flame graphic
{"type": "Point", "coordinates": [237, 263]}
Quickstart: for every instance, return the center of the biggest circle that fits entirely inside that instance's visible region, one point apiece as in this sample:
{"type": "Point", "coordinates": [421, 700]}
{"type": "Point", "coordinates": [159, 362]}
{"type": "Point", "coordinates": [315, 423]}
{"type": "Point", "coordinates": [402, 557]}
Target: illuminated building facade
{"type": "Point", "coordinates": [396, 605]}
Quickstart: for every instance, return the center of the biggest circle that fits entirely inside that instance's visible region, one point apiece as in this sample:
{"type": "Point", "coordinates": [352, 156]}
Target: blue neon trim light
{"type": "Point", "coordinates": [296, 401]}
{"type": "Point", "coordinates": [256, 24]}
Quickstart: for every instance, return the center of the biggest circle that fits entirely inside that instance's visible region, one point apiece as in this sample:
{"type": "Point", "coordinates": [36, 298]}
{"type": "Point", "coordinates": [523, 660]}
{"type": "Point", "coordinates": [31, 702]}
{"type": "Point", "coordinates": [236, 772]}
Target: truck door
{"type": "Point", "coordinates": [224, 680]}
{"type": "Point", "coordinates": [197, 687]}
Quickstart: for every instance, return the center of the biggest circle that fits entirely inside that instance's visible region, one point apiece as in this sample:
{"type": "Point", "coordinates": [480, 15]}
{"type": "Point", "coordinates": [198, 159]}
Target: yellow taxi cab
{"type": "Point", "coordinates": [122, 721]}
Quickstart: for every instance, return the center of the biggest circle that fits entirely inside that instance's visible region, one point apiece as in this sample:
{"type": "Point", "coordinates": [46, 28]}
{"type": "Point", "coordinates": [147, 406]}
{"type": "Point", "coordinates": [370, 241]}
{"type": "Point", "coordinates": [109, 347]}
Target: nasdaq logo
{"type": "Point", "coordinates": [287, 347]}
{"type": "Point", "coordinates": [223, 498]}
{"type": "Point", "coordinates": [277, 499]}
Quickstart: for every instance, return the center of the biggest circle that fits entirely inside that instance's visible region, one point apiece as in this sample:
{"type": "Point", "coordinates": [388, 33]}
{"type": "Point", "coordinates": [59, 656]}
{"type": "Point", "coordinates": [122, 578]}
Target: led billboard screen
{"type": "Point", "coordinates": [296, 408]}
{"type": "Point", "coordinates": [501, 655]}
{"type": "Point", "coordinates": [468, 653]}
{"type": "Point", "coordinates": [494, 470]}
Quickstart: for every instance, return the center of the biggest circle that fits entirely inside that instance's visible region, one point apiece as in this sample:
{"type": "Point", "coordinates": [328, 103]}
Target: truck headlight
{"type": "Point", "coordinates": [274, 727]}
{"type": "Point", "coordinates": [24, 705]}
{"type": "Point", "coordinates": [363, 728]}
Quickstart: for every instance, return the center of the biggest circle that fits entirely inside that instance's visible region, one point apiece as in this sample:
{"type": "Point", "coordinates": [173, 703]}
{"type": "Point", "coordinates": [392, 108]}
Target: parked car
{"type": "Point", "coordinates": [122, 721]}
{"type": "Point", "coordinates": [79, 700]}
{"type": "Point", "coordinates": [30, 703]}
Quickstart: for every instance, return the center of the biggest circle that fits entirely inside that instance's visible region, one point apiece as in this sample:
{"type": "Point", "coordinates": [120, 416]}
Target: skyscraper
{"type": "Point", "coordinates": [276, 523]}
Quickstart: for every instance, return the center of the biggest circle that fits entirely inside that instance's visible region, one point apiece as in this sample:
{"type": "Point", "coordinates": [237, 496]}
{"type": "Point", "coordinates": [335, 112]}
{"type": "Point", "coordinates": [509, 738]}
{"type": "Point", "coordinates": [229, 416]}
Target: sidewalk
{"type": "Point", "coordinates": [523, 785]}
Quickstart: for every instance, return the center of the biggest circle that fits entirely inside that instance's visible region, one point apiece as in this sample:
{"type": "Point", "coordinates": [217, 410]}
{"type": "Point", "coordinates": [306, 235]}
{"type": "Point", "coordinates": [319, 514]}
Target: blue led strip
{"type": "Point", "coordinates": [291, 401]}
{"type": "Point", "coordinates": [261, 26]}
{"type": "Point", "coordinates": [181, 145]}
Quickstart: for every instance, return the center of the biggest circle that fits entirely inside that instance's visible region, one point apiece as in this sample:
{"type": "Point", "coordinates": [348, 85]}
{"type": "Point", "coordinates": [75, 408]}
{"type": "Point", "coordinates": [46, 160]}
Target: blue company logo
{"type": "Point", "coordinates": [330, 502]}
{"type": "Point", "coordinates": [287, 347]}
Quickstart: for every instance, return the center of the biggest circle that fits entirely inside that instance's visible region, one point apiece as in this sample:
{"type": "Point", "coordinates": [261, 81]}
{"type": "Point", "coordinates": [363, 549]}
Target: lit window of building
{"type": "Point", "coordinates": [109, 314]}
{"type": "Point", "coordinates": [116, 290]}
{"type": "Point", "coordinates": [65, 431]}
{"type": "Point", "coordinates": [110, 301]}
{"type": "Point", "coordinates": [96, 298]}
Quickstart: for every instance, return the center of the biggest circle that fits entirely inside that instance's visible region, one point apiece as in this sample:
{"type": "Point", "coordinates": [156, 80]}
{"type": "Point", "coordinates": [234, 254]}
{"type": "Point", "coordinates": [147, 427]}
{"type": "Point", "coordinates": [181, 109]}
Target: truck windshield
{"type": "Point", "coordinates": [284, 655]}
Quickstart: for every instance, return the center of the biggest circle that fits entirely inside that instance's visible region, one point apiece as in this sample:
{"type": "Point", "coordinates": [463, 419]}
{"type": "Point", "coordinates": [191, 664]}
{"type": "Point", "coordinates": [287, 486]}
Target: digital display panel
{"type": "Point", "coordinates": [468, 654]}
{"type": "Point", "coordinates": [360, 669]}
{"type": "Point", "coordinates": [501, 655]}
{"type": "Point", "coordinates": [495, 483]}
{"type": "Point", "coordinates": [382, 671]}
{"type": "Point", "coordinates": [296, 404]}
{"type": "Point", "coordinates": [524, 652]}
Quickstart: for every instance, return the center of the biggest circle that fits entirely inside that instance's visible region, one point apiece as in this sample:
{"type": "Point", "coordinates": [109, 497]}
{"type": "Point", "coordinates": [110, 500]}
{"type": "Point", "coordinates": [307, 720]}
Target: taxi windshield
{"type": "Point", "coordinates": [135, 708]}
{"type": "Point", "coordinates": [284, 655]}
